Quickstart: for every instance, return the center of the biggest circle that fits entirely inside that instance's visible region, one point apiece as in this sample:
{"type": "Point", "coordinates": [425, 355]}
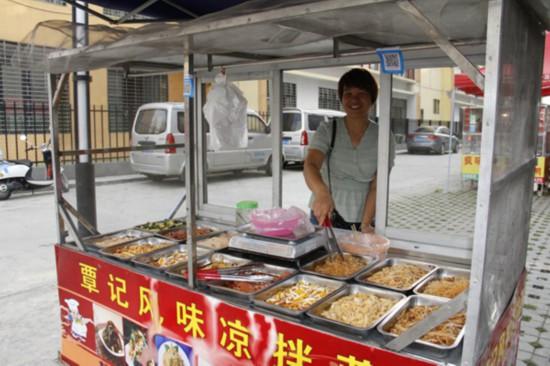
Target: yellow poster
{"type": "Point", "coordinates": [539, 169]}
{"type": "Point", "coordinates": [470, 166]}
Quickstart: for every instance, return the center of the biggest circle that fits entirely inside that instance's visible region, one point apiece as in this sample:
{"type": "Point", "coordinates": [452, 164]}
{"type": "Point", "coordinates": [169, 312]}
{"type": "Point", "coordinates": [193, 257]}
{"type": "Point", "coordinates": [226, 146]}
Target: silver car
{"type": "Point", "coordinates": [299, 125]}
{"type": "Point", "coordinates": [431, 139]}
{"type": "Point", "coordinates": [162, 123]}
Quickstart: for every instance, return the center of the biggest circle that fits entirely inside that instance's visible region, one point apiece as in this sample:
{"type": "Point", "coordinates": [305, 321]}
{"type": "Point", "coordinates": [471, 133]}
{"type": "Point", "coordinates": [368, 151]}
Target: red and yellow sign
{"type": "Point", "coordinates": [503, 346]}
{"type": "Point", "coordinates": [541, 170]}
{"type": "Point", "coordinates": [114, 315]}
{"type": "Point", "coordinates": [470, 166]}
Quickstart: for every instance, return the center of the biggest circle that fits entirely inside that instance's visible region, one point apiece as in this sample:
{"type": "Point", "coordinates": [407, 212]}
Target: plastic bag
{"type": "Point", "coordinates": [225, 111]}
{"type": "Point", "coordinates": [359, 243]}
{"type": "Point", "coordinates": [281, 222]}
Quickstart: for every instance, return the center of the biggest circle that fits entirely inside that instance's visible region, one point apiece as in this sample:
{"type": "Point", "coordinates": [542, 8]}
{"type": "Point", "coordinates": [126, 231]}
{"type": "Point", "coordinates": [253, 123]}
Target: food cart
{"type": "Point", "coordinates": [115, 311]}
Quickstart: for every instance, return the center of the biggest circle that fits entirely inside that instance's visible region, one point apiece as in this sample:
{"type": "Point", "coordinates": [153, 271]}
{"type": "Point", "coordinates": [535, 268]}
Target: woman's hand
{"type": "Point", "coordinates": [367, 228]}
{"type": "Point", "coordinates": [322, 206]}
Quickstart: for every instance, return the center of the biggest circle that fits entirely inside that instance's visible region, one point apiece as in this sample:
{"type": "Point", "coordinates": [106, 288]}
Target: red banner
{"type": "Point", "coordinates": [502, 349]}
{"type": "Point", "coordinates": [112, 315]}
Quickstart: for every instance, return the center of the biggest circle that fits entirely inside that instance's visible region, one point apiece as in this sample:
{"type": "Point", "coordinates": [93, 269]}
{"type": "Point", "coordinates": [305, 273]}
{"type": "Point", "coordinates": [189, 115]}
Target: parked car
{"type": "Point", "coordinates": [428, 139]}
{"type": "Point", "coordinates": [299, 125]}
{"type": "Point", "coordinates": [162, 123]}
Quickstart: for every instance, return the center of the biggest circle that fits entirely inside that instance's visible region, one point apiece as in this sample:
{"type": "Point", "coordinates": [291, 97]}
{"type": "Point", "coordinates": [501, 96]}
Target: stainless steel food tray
{"type": "Point", "coordinates": [204, 262]}
{"type": "Point", "coordinates": [308, 267]}
{"type": "Point", "coordinates": [438, 274]}
{"type": "Point", "coordinates": [248, 230]}
{"type": "Point", "coordinates": [154, 240]}
{"type": "Point", "coordinates": [260, 298]}
{"type": "Point", "coordinates": [217, 285]}
{"type": "Point", "coordinates": [362, 277]}
{"type": "Point", "coordinates": [213, 231]}
{"type": "Point", "coordinates": [420, 345]}
{"type": "Point", "coordinates": [145, 260]}
{"type": "Point", "coordinates": [131, 234]}
{"type": "Point", "coordinates": [281, 249]}
{"type": "Point", "coordinates": [315, 312]}
{"type": "Point", "coordinates": [177, 223]}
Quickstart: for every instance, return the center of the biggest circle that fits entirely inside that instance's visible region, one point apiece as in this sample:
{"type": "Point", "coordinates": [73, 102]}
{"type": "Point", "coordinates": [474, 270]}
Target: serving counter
{"type": "Point", "coordinates": [119, 311]}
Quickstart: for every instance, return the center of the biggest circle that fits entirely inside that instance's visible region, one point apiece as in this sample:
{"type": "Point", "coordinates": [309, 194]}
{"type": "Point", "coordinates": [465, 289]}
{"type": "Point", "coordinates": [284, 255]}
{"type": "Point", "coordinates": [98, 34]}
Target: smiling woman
{"type": "Point", "coordinates": [340, 168]}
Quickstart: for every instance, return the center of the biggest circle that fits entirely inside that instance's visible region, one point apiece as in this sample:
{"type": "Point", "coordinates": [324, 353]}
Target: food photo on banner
{"type": "Point", "coordinates": [109, 336]}
{"type": "Point", "coordinates": [137, 350]}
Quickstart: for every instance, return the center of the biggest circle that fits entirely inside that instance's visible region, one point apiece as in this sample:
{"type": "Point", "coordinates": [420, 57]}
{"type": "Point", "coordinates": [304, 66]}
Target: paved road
{"type": "Point", "coordinates": [29, 316]}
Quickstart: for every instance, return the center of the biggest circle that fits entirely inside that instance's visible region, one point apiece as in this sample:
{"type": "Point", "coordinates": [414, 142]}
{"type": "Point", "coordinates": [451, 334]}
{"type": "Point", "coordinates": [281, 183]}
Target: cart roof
{"type": "Point", "coordinates": [261, 31]}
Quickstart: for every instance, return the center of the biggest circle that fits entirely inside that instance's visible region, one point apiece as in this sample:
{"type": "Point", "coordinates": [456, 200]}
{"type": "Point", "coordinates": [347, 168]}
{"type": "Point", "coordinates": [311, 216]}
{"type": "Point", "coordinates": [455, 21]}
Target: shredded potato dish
{"type": "Point", "coordinates": [335, 265]}
{"type": "Point", "coordinates": [444, 334]}
{"type": "Point", "coordinates": [398, 276]}
{"type": "Point", "coordinates": [448, 287]}
{"type": "Point", "coordinates": [299, 296]}
{"type": "Point", "coordinates": [359, 310]}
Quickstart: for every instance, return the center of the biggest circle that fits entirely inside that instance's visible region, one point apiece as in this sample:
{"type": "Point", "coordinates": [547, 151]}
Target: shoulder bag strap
{"type": "Point", "coordinates": [329, 152]}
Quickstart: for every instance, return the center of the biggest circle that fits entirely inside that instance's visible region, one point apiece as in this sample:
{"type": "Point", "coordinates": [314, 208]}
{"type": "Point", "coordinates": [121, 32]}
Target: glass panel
{"type": "Point", "coordinates": [430, 191]}
{"type": "Point", "coordinates": [237, 174]}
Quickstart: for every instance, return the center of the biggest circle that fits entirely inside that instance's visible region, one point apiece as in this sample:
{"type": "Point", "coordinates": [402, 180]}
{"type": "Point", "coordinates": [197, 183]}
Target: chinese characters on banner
{"type": "Point", "coordinates": [112, 314]}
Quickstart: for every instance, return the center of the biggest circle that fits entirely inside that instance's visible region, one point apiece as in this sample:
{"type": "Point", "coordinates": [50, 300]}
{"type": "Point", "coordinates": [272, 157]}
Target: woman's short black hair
{"type": "Point", "coordinates": [359, 78]}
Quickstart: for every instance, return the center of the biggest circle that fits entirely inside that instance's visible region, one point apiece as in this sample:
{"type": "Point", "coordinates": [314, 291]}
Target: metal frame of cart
{"type": "Point", "coordinates": [507, 36]}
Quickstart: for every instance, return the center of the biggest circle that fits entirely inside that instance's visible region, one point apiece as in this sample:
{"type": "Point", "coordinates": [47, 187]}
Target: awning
{"type": "Point", "coordinates": [464, 83]}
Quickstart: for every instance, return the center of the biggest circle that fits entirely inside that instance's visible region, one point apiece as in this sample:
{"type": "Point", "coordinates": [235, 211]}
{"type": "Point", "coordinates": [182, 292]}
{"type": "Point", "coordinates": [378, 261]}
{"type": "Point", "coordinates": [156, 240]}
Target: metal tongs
{"type": "Point", "coordinates": [332, 243]}
{"type": "Point", "coordinates": [232, 274]}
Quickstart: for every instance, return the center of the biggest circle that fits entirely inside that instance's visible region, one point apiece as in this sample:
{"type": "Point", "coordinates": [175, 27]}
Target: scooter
{"type": "Point", "coordinates": [16, 175]}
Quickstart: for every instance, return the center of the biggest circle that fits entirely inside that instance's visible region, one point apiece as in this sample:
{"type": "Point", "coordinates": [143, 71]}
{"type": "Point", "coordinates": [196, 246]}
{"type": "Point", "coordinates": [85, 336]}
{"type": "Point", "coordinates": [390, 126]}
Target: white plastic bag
{"type": "Point", "coordinates": [225, 111]}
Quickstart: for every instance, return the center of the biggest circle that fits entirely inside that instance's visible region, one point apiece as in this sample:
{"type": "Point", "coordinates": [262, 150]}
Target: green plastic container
{"type": "Point", "coordinates": [244, 208]}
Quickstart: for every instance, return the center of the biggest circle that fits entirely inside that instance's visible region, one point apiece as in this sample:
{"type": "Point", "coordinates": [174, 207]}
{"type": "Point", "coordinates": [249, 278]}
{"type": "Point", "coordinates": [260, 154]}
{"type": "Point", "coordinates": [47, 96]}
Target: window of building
{"type": "Point", "coordinates": [328, 99]}
{"type": "Point", "coordinates": [24, 95]}
{"type": "Point", "coordinates": [436, 106]}
{"type": "Point", "coordinates": [289, 95]}
{"type": "Point", "coordinates": [126, 94]}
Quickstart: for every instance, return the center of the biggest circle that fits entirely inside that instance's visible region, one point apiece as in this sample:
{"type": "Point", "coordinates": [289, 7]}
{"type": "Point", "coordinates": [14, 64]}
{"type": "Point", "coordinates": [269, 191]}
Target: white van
{"type": "Point", "coordinates": [163, 123]}
{"type": "Point", "coordinates": [299, 125]}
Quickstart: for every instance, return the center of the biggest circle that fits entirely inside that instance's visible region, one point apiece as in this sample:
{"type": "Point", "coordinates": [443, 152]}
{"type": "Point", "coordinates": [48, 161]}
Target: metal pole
{"type": "Point", "coordinates": [276, 135]}
{"type": "Point", "coordinates": [202, 157]}
{"type": "Point", "coordinates": [450, 150]}
{"type": "Point", "coordinates": [54, 133]}
{"type": "Point", "coordinates": [384, 135]}
{"type": "Point", "coordinates": [190, 139]}
{"type": "Point", "coordinates": [84, 169]}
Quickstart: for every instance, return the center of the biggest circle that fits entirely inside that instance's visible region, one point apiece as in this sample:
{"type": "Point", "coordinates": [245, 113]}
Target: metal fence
{"type": "Point", "coordinates": [32, 120]}
{"type": "Point", "coordinates": [110, 128]}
